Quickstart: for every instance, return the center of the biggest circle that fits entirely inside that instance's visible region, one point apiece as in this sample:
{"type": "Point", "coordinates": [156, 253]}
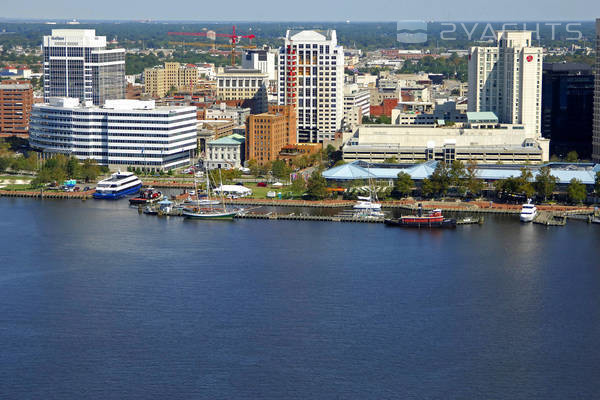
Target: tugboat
{"type": "Point", "coordinates": [433, 219]}
{"type": "Point", "coordinates": [146, 197]}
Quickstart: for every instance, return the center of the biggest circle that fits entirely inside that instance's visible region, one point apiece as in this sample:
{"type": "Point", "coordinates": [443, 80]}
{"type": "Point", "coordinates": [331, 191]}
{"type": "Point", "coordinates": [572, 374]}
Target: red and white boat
{"type": "Point", "coordinates": [433, 219]}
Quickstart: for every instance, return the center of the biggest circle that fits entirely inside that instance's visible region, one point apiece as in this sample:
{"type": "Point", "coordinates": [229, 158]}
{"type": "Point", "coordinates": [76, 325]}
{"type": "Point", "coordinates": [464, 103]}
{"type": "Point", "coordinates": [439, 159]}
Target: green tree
{"type": "Point", "coordinates": [317, 186]}
{"type": "Point", "coordinates": [264, 169]}
{"type": "Point", "coordinates": [72, 167]}
{"type": "Point", "coordinates": [473, 184]}
{"type": "Point", "coordinates": [427, 188]}
{"type": "Point", "coordinates": [572, 157]}
{"type": "Point", "coordinates": [280, 169]}
{"type": "Point", "coordinates": [597, 184]}
{"type": "Point", "coordinates": [391, 160]}
{"type": "Point", "coordinates": [301, 162]}
{"type": "Point", "coordinates": [252, 165]}
{"type": "Point", "coordinates": [89, 171]}
{"type": "Point", "coordinates": [524, 181]}
{"type": "Point", "coordinates": [576, 191]}
{"type": "Point", "coordinates": [441, 179]}
{"type": "Point", "coordinates": [298, 186]}
{"type": "Point", "coordinates": [545, 183]}
{"type": "Point", "coordinates": [333, 155]}
{"type": "Point", "coordinates": [4, 163]}
{"type": "Point", "coordinates": [457, 172]}
{"type": "Point", "coordinates": [403, 185]}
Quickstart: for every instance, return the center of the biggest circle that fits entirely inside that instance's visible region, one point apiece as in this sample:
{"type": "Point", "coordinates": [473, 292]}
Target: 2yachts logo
{"type": "Point", "coordinates": [411, 31]}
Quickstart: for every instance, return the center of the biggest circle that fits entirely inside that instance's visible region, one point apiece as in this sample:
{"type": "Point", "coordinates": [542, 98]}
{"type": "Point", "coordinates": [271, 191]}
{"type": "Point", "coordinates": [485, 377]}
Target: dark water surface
{"type": "Point", "coordinates": [99, 302]}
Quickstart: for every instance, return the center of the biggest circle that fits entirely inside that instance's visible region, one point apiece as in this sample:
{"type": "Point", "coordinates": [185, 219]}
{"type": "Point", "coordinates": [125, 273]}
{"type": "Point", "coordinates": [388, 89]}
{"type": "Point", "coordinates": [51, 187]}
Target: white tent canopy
{"type": "Point", "coordinates": [233, 189]}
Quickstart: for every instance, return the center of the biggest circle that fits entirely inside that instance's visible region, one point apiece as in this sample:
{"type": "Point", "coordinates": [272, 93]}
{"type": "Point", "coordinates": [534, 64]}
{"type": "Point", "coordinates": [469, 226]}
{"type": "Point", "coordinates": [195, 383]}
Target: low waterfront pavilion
{"type": "Point", "coordinates": [564, 172]}
{"type": "Point", "coordinates": [233, 190]}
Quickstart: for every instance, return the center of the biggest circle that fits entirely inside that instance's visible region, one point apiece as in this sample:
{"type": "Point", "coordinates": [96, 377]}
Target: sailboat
{"type": "Point", "coordinates": [370, 203]}
{"type": "Point", "coordinates": [198, 201]}
{"type": "Point", "coordinates": [208, 209]}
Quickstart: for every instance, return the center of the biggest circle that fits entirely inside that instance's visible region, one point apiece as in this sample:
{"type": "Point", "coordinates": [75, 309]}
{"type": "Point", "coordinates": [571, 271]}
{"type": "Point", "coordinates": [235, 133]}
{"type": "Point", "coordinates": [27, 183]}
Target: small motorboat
{"type": "Point", "coordinates": [147, 196]}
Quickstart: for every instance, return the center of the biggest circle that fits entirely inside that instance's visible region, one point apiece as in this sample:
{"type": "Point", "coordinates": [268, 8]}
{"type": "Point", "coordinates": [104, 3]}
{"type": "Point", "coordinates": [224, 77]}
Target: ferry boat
{"type": "Point", "coordinates": [146, 197]}
{"type": "Point", "coordinates": [118, 185]}
{"type": "Point", "coordinates": [528, 212]}
{"type": "Point", "coordinates": [433, 219]}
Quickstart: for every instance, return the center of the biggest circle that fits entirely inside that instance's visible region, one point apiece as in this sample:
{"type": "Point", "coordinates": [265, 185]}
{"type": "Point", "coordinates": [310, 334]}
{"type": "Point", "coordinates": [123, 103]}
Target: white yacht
{"type": "Point", "coordinates": [118, 185]}
{"type": "Point", "coordinates": [528, 212]}
{"type": "Point", "coordinates": [366, 203]}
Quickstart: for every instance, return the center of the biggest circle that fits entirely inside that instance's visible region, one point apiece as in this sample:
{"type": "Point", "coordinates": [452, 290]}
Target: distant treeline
{"type": "Point", "coordinates": [363, 35]}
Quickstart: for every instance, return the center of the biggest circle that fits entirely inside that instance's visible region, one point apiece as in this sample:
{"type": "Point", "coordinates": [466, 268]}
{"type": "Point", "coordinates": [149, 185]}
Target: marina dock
{"type": "Point", "coordinates": [48, 194]}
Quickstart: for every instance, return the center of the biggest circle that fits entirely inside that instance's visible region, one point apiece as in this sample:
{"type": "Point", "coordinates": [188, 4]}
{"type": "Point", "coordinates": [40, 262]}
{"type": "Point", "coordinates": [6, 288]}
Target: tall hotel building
{"type": "Point", "coordinates": [596, 139]}
{"type": "Point", "coordinates": [507, 80]}
{"type": "Point", "coordinates": [311, 79]}
{"type": "Point", "coordinates": [121, 133]}
{"type": "Point", "coordinates": [78, 65]}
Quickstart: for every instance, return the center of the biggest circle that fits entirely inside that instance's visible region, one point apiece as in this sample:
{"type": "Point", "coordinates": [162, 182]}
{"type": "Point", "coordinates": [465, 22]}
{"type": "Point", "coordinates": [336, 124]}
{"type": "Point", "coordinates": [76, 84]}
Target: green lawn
{"type": "Point", "coordinates": [15, 177]}
{"type": "Point", "coordinates": [17, 187]}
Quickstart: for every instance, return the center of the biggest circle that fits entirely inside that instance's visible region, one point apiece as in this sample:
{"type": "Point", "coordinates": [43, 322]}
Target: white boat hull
{"type": "Point", "coordinates": [528, 217]}
{"type": "Point", "coordinates": [367, 206]}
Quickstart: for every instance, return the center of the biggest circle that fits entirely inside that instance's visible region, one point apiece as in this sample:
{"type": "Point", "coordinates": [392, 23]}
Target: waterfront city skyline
{"type": "Point", "coordinates": [300, 210]}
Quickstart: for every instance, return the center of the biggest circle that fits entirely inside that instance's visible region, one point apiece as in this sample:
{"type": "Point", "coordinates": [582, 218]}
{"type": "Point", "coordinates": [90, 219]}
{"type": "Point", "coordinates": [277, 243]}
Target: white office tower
{"type": "Point", "coordinates": [507, 80]}
{"type": "Point", "coordinates": [357, 104]}
{"type": "Point", "coordinates": [78, 65]}
{"type": "Point", "coordinates": [121, 133]}
{"type": "Point", "coordinates": [311, 78]}
{"type": "Point", "coordinates": [263, 59]}
{"type": "Point", "coordinates": [596, 138]}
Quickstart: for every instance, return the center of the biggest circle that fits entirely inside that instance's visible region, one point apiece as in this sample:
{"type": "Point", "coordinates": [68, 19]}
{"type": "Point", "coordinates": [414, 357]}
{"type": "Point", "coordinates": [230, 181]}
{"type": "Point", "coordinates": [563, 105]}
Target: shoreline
{"type": "Point", "coordinates": [473, 207]}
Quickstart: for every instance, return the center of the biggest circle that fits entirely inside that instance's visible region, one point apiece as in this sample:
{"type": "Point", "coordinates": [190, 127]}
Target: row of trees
{"type": "Point", "coordinates": [456, 175]}
{"type": "Point", "coordinates": [60, 167]}
{"type": "Point", "coordinates": [327, 157]}
{"type": "Point", "coordinates": [10, 159]}
{"type": "Point", "coordinates": [18, 163]}
{"type": "Point", "coordinates": [463, 181]}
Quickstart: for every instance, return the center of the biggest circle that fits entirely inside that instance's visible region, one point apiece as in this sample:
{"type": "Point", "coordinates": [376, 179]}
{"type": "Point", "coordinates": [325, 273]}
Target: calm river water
{"type": "Point", "coordinates": [99, 302]}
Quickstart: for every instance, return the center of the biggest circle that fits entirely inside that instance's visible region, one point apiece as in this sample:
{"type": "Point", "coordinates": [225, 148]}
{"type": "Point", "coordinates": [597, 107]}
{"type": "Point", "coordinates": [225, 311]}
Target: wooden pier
{"type": "Point", "coordinates": [48, 194]}
{"type": "Point", "coordinates": [305, 217]}
{"type": "Point", "coordinates": [550, 219]}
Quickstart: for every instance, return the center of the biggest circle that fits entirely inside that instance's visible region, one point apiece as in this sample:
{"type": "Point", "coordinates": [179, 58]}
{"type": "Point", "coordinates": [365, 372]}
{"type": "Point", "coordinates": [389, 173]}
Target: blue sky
{"type": "Point", "coordinates": [306, 10]}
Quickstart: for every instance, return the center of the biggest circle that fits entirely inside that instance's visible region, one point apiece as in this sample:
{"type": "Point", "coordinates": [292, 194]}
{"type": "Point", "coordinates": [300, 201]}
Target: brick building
{"type": "Point", "coordinates": [16, 99]}
{"type": "Point", "coordinates": [268, 133]}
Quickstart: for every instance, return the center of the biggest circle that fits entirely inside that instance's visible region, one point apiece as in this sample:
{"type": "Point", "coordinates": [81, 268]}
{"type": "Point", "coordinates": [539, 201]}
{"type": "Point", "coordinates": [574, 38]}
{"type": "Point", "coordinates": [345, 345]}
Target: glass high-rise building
{"type": "Point", "coordinates": [78, 65]}
{"type": "Point", "coordinates": [596, 138]}
{"type": "Point", "coordinates": [567, 107]}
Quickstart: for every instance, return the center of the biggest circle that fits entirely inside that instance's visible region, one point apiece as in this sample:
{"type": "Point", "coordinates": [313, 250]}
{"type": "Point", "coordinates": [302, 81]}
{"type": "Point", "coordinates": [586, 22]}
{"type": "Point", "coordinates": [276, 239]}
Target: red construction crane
{"type": "Point", "coordinates": [233, 38]}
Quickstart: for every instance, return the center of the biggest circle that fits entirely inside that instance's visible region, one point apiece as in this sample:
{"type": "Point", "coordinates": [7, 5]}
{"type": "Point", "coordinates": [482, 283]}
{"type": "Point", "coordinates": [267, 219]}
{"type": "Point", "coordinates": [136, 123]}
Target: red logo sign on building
{"type": "Point", "coordinates": [529, 58]}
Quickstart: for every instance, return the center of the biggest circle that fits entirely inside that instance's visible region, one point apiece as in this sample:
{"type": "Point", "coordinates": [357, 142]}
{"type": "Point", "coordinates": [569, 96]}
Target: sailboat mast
{"type": "Point", "coordinates": [208, 186]}
{"type": "Point", "coordinates": [222, 197]}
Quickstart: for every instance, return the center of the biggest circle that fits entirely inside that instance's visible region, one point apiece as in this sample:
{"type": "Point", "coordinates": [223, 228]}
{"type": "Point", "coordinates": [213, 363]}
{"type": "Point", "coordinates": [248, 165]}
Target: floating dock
{"type": "Point", "coordinates": [550, 219]}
